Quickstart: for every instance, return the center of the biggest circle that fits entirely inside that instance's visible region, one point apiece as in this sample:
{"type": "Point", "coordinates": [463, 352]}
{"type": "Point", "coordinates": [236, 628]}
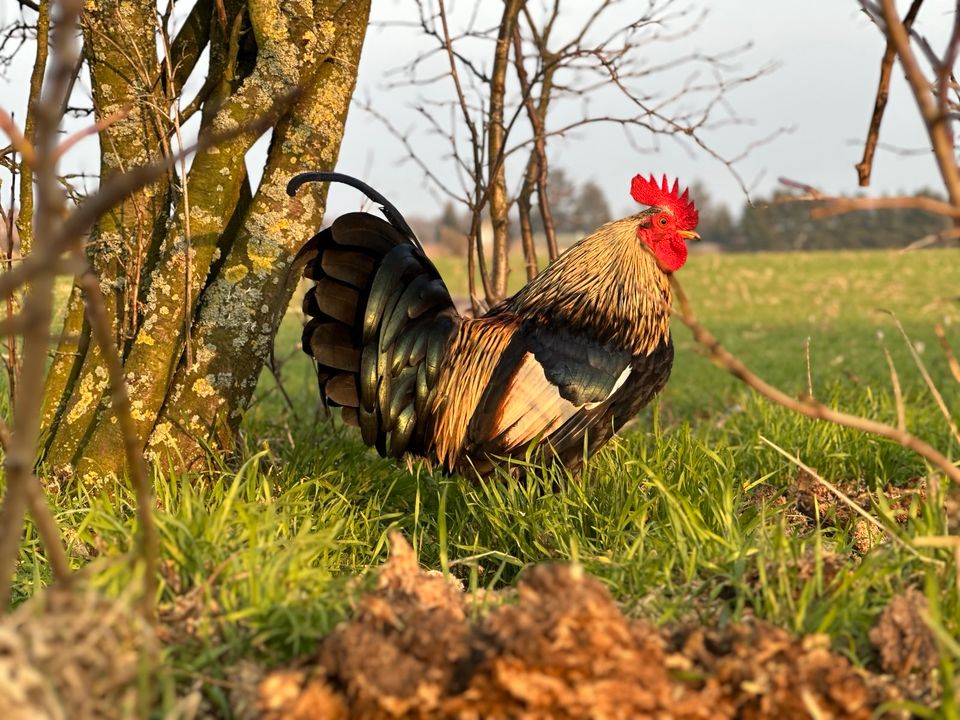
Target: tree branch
{"type": "Point", "coordinates": [865, 166]}
{"type": "Point", "coordinates": [803, 406]}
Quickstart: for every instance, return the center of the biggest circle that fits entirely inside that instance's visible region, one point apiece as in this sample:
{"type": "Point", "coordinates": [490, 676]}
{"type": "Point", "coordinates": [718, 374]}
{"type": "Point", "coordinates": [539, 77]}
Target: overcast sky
{"type": "Point", "coordinates": [826, 54]}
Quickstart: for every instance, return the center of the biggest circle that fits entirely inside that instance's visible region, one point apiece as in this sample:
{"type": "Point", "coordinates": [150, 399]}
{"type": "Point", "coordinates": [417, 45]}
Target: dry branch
{"type": "Point", "coordinates": [101, 326]}
{"type": "Point", "coordinates": [808, 407]}
{"type": "Point", "coordinates": [941, 140]}
{"type": "Point", "coordinates": [865, 166]}
{"type": "Point", "coordinates": [37, 305]}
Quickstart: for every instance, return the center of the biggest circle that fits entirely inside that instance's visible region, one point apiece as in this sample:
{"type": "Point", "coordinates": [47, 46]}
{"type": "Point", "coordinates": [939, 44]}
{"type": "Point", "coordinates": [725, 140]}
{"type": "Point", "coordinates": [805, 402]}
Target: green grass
{"type": "Point", "coordinates": [688, 517]}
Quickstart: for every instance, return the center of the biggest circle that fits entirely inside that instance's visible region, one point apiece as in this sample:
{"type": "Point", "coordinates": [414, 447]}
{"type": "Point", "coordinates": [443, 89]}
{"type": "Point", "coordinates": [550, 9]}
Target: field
{"type": "Point", "coordinates": [689, 518]}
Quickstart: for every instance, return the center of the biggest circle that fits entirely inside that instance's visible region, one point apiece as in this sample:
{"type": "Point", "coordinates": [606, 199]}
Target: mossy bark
{"type": "Point", "coordinates": [120, 49]}
{"type": "Point", "coordinates": [244, 303]}
{"type": "Point", "coordinates": [222, 287]}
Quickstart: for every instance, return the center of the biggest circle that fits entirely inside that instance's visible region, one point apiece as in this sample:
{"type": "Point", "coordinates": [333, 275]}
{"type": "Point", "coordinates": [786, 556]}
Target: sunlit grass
{"type": "Point", "coordinates": [689, 517]}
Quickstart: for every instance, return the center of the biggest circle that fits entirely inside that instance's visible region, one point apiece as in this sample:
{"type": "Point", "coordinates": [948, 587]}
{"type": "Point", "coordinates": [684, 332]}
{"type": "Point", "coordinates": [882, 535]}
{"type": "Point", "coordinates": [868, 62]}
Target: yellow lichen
{"type": "Point", "coordinates": [235, 273]}
{"type": "Point", "coordinates": [203, 388]}
{"type": "Point", "coordinates": [260, 262]}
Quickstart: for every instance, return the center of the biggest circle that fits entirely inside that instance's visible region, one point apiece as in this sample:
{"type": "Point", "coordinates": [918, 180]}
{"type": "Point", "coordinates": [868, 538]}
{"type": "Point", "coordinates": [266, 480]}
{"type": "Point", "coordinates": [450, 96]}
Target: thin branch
{"type": "Point", "coordinates": [101, 327]}
{"type": "Point", "coordinates": [17, 139]}
{"type": "Point", "coordinates": [37, 306]}
{"type": "Point", "coordinates": [537, 166]}
{"type": "Point", "coordinates": [834, 205]}
{"type": "Point", "coordinates": [948, 351]}
{"type": "Point", "coordinates": [865, 166]}
{"type": "Point", "coordinates": [184, 191]}
{"type": "Point", "coordinates": [938, 129]}
{"type": "Point", "coordinates": [804, 406]}
{"type": "Point", "coordinates": [94, 129]}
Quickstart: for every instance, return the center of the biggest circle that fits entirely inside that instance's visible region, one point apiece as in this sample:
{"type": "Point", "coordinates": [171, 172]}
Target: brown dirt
{"type": "Point", "coordinates": [812, 499]}
{"type": "Point", "coordinates": [72, 654]}
{"type": "Point", "coordinates": [563, 649]}
{"type": "Point", "coordinates": [907, 646]}
{"type": "Point", "coordinates": [904, 640]}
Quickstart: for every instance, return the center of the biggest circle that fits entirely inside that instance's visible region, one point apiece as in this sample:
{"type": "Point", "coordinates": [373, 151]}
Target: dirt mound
{"type": "Point", "coordinates": [562, 650]}
{"type": "Point", "coordinates": [72, 654]}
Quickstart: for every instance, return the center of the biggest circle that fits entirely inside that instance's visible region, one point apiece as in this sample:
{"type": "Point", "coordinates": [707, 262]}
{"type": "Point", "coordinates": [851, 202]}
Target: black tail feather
{"type": "Point", "coordinates": [381, 320]}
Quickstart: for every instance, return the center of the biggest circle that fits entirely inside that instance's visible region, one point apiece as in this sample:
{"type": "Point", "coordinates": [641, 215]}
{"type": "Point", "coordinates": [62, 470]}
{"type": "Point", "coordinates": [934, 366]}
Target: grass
{"type": "Point", "coordinates": [687, 517]}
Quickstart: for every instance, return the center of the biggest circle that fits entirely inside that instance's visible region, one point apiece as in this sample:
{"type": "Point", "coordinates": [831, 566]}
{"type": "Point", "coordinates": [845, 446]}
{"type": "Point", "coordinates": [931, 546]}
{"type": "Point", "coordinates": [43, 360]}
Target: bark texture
{"type": "Point", "coordinates": [196, 272]}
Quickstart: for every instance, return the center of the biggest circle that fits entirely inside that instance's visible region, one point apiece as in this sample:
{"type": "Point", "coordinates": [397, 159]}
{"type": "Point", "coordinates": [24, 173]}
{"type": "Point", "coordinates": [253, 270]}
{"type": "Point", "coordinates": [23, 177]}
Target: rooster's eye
{"type": "Point", "coordinates": [663, 221]}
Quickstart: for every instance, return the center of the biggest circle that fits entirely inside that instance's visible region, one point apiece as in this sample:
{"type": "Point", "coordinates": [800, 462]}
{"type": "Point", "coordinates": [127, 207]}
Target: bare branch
{"type": "Point", "coordinates": [37, 306]}
{"type": "Point", "coordinates": [948, 351]}
{"type": "Point", "coordinates": [865, 166]}
{"type": "Point", "coordinates": [803, 406]}
{"type": "Point", "coordinates": [937, 127]}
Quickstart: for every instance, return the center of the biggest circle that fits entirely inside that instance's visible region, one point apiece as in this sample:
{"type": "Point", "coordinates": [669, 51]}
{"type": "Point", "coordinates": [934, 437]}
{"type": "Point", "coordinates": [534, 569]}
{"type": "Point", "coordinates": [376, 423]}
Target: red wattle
{"type": "Point", "coordinates": [671, 253]}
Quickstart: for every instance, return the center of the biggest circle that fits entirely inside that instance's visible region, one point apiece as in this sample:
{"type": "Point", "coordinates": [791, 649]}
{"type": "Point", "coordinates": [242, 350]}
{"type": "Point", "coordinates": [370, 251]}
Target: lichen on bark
{"type": "Point", "coordinates": [120, 50]}
{"type": "Point", "coordinates": [238, 249]}
{"type": "Point", "coordinates": [242, 307]}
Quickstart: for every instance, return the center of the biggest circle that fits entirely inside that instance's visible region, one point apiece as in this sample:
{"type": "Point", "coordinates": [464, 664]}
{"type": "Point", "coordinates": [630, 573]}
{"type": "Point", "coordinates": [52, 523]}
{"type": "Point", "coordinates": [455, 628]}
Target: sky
{"type": "Point", "coordinates": [826, 55]}
{"type": "Point", "coordinates": [819, 94]}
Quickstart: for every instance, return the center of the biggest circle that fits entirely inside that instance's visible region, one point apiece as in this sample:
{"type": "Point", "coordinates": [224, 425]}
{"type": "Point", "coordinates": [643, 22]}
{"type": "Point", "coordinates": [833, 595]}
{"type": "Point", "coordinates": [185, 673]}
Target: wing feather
{"type": "Point", "coordinates": [546, 380]}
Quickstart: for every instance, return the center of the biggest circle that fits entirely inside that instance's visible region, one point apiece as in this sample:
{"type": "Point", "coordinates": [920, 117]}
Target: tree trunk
{"type": "Point", "coordinates": [199, 285]}
{"type": "Point", "coordinates": [499, 202]}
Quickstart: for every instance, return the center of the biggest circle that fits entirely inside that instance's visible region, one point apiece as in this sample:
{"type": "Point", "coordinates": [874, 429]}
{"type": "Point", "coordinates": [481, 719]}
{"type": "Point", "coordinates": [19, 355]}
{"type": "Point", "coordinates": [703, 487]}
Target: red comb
{"type": "Point", "coordinates": [647, 192]}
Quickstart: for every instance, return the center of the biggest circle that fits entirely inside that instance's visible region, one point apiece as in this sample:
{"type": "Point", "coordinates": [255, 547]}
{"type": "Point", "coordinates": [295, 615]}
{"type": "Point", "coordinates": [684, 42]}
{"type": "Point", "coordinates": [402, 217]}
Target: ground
{"type": "Point", "coordinates": [704, 541]}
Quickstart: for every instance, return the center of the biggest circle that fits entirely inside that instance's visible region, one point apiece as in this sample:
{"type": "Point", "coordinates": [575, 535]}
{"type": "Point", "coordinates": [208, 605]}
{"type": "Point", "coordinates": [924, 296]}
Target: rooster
{"type": "Point", "coordinates": [559, 367]}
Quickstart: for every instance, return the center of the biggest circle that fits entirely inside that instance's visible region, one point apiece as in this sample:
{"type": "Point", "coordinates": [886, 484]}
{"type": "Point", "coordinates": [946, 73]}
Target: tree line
{"type": "Point", "coordinates": [778, 222]}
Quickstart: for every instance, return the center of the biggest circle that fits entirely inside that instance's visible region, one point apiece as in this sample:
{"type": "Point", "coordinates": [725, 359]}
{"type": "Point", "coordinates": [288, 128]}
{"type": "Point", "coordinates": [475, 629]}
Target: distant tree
{"type": "Point", "coordinates": [591, 209]}
{"type": "Point", "coordinates": [717, 224]}
{"type": "Point", "coordinates": [784, 222]}
{"type": "Point", "coordinates": [451, 230]}
{"type": "Point", "coordinates": [563, 202]}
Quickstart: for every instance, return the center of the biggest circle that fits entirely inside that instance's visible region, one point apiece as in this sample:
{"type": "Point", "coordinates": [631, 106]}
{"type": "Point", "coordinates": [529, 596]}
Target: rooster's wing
{"type": "Point", "coordinates": [554, 385]}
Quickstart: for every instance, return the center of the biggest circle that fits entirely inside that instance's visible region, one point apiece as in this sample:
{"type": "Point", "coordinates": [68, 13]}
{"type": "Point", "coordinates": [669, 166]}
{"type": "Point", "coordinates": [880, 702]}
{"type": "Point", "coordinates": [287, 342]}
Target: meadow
{"type": "Point", "coordinates": [690, 516]}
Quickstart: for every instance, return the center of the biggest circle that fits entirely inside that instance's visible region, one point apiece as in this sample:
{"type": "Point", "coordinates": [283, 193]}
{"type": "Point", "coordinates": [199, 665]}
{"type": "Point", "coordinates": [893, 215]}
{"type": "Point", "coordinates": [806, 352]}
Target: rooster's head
{"type": "Point", "coordinates": [669, 223]}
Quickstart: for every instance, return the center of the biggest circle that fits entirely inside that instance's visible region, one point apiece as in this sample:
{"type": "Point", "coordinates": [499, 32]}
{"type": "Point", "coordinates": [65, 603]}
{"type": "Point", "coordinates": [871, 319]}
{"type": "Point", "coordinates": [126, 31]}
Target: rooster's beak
{"type": "Point", "coordinates": [689, 235]}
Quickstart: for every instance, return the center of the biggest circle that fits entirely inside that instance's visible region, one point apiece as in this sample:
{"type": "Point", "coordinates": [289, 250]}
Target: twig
{"type": "Point", "coordinates": [850, 503]}
{"type": "Point", "coordinates": [807, 407]}
{"type": "Point", "coordinates": [100, 326]}
{"type": "Point", "coordinates": [13, 365]}
{"type": "Point", "coordinates": [17, 139]}
{"type": "Point", "coordinates": [865, 166]}
{"type": "Point", "coordinates": [932, 239]}
{"type": "Point", "coordinates": [187, 265]}
{"type": "Point", "coordinates": [537, 171]}
{"type": "Point", "coordinates": [948, 351]}
{"type": "Point", "coordinates": [94, 129]}
{"type": "Point", "coordinates": [840, 206]}
{"type": "Point", "coordinates": [37, 306]}
{"type": "Point", "coordinates": [526, 190]}
{"type": "Point", "coordinates": [938, 398]}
